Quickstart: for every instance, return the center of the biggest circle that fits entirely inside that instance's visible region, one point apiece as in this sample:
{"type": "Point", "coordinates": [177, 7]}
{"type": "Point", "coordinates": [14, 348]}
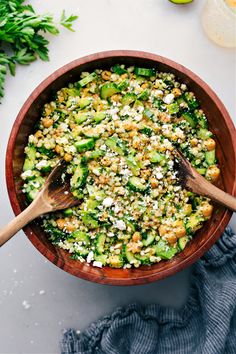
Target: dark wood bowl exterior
{"type": "Point", "coordinates": [219, 122]}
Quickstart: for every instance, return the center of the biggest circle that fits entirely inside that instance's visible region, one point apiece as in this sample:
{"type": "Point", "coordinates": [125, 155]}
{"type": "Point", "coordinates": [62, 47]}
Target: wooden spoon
{"type": "Point", "coordinates": [55, 195]}
{"type": "Point", "coordinates": [190, 179]}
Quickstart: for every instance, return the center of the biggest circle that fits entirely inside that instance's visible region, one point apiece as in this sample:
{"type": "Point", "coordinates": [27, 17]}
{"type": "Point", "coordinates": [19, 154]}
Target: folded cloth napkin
{"type": "Point", "coordinates": [205, 325]}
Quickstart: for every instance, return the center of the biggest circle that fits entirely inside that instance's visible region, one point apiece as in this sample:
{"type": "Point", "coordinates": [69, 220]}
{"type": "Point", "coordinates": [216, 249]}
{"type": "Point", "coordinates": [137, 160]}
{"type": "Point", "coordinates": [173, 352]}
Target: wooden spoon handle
{"type": "Point", "coordinates": [30, 213]}
{"type": "Point", "coordinates": [209, 190]}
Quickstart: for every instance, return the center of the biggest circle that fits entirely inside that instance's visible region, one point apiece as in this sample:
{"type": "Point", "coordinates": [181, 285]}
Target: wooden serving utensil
{"type": "Point", "coordinates": [55, 195]}
{"type": "Point", "coordinates": [191, 180]}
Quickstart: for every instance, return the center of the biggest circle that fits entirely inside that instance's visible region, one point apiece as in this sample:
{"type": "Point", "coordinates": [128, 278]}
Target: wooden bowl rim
{"type": "Point", "coordinates": [144, 279]}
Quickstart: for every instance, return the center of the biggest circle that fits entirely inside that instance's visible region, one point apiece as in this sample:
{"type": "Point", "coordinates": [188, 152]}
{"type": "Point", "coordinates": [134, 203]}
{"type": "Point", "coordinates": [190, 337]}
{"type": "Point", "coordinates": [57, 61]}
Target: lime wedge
{"type": "Point", "coordinates": [181, 1]}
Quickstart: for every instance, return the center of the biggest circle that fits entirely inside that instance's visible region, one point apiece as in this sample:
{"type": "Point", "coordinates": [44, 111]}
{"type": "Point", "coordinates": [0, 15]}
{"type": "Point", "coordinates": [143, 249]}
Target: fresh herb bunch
{"type": "Point", "coordinates": [21, 35]}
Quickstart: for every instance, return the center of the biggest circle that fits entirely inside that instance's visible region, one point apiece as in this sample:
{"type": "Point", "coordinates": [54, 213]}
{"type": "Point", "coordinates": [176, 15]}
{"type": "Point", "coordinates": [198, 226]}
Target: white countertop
{"type": "Point", "coordinates": [58, 300]}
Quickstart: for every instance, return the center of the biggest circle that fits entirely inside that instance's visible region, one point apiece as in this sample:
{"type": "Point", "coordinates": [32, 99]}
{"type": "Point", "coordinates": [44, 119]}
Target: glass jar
{"type": "Point", "coordinates": [219, 22]}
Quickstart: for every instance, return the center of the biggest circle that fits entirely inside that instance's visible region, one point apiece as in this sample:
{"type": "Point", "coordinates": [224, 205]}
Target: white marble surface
{"type": "Point", "coordinates": [58, 300]}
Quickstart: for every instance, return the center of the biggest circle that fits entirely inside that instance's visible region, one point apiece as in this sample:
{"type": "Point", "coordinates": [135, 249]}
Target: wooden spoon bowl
{"type": "Point", "coordinates": [219, 123]}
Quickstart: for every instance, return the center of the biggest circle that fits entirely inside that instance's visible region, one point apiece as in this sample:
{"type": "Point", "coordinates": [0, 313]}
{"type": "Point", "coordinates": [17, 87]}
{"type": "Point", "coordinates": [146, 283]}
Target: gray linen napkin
{"type": "Point", "coordinates": [205, 325]}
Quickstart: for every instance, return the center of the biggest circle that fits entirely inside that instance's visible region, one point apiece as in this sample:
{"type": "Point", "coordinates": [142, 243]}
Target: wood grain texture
{"type": "Point", "coordinates": [220, 124]}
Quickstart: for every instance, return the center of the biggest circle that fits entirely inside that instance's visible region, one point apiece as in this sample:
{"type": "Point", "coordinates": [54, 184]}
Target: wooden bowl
{"type": "Point", "coordinates": [219, 122]}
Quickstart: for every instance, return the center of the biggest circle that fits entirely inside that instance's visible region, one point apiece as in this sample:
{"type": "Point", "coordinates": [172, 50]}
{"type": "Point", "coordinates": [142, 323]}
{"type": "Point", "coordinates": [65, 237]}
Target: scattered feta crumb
{"type": "Point", "coordinates": [107, 202]}
{"type": "Point", "coordinates": [119, 224]}
{"type": "Point", "coordinates": [26, 305]}
{"type": "Point", "coordinates": [97, 264]}
{"type": "Point", "coordinates": [41, 292]}
{"type": "Point", "coordinates": [90, 257]}
{"type": "Point", "coordinates": [169, 98]}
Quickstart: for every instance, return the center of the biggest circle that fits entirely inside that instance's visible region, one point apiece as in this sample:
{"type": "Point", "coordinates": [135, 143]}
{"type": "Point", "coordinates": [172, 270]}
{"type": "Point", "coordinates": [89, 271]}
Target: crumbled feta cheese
{"type": "Point", "coordinates": [41, 164]}
{"type": "Point", "coordinates": [117, 209]}
{"type": "Point", "coordinates": [169, 98]}
{"type": "Point", "coordinates": [41, 292]}
{"type": "Point", "coordinates": [26, 174]}
{"type": "Point", "coordinates": [103, 147]}
{"type": "Point", "coordinates": [90, 257]}
{"type": "Point", "coordinates": [97, 264]}
{"type": "Point", "coordinates": [26, 305]}
{"type": "Point", "coordinates": [159, 175]}
{"type": "Point", "coordinates": [119, 224]}
{"type": "Point", "coordinates": [107, 202]}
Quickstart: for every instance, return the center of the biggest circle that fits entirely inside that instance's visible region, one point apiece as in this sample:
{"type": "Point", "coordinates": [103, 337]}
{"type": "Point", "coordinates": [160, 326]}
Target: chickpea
{"type": "Point", "coordinates": [180, 231]}
{"type": "Point", "coordinates": [38, 134]}
{"type": "Point", "coordinates": [144, 86]}
{"type": "Point", "coordinates": [154, 182]}
{"type": "Point", "coordinates": [132, 134]}
{"type": "Point", "coordinates": [68, 157]}
{"type": "Point", "coordinates": [129, 125]}
{"type": "Point", "coordinates": [60, 98]}
{"type": "Point", "coordinates": [124, 76]}
{"type": "Point", "coordinates": [47, 122]}
{"type": "Point", "coordinates": [170, 238]}
{"type": "Point", "coordinates": [176, 92]}
{"type": "Point", "coordinates": [206, 209]}
{"type": "Point", "coordinates": [145, 173]}
{"type": "Point", "coordinates": [116, 98]}
{"type": "Point", "coordinates": [163, 230]}
{"type": "Point", "coordinates": [134, 247]}
{"type": "Point", "coordinates": [164, 117]}
{"type": "Point", "coordinates": [61, 223]}
{"type": "Point", "coordinates": [136, 237]}
{"type": "Point", "coordinates": [59, 149]}
{"type": "Point", "coordinates": [70, 227]}
{"type": "Point", "coordinates": [194, 142]}
{"type": "Point", "coordinates": [188, 209]}
{"type": "Point", "coordinates": [106, 161]}
{"type": "Point", "coordinates": [177, 223]}
{"type": "Point", "coordinates": [114, 168]}
{"type": "Point", "coordinates": [209, 144]}
{"type": "Point", "coordinates": [212, 173]}
{"type": "Point", "coordinates": [106, 75]}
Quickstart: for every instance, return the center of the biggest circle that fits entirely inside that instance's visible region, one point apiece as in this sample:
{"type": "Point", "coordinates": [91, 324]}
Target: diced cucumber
{"type": "Point", "coordinates": [201, 118]}
{"type": "Point", "coordinates": [191, 100]}
{"type": "Point", "coordinates": [204, 133]}
{"type": "Point", "coordinates": [194, 223]}
{"type": "Point", "coordinates": [130, 223]}
{"type": "Point", "coordinates": [182, 242]}
{"type": "Point", "coordinates": [133, 165]}
{"type": "Point", "coordinates": [147, 131]}
{"type": "Point", "coordinates": [100, 242]}
{"type": "Point", "coordinates": [99, 116]}
{"type": "Point", "coordinates": [68, 212]}
{"type": "Point", "coordinates": [202, 171]}
{"type": "Point", "coordinates": [90, 220]}
{"type": "Point", "coordinates": [84, 102]}
{"type": "Point", "coordinates": [190, 118]}
{"type": "Point", "coordinates": [123, 85]}
{"type": "Point", "coordinates": [101, 258]}
{"type": "Point", "coordinates": [210, 157]}
{"type": "Point", "coordinates": [84, 144]}
{"type": "Point", "coordinates": [108, 90]}
{"type": "Point", "coordinates": [47, 152]}
{"type": "Point", "coordinates": [143, 96]}
{"type": "Point", "coordinates": [73, 92]}
{"type": "Point", "coordinates": [173, 108]}
{"type": "Point", "coordinates": [148, 114]}
{"type": "Point", "coordinates": [128, 98]}
{"type": "Point", "coordinates": [144, 72]}
{"type": "Point", "coordinates": [87, 79]}
{"type": "Point", "coordinates": [135, 184]}
{"type": "Point", "coordinates": [137, 104]}
{"type": "Point", "coordinates": [145, 260]}
{"type": "Point", "coordinates": [164, 251]}
{"type": "Point", "coordinates": [32, 194]}
{"type": "Point", "coordinates": [94, 155]}
{"type": "Point", "coordinates": [117, 69]}
{"type": "Point", "coordinates": [157, 157]}
{"type": "Point", "coordinates": [92, 133]}
{"type": "Point", "coordinates": [117, 146]}
{"type": "Point", "coordinates": [79, 177]}
{"type": "Point", "coordinates": [31, 152]}
{"type": "Point", "coordinates": [79, 236]}
{"type": "Point", "coordinates": [81, 117]}
{"type": "Point", "coordinates": [129, 255]}
{"type": "Point", "coordinates": [46, 168]}
{"type": "Point", "coordinates": [28, 164]}
{"type": "Point", "coordinates": [92, 204]}
{"type": "Point", "coordinates": [149, 240]}
{"type": "Point", "coordinates": [82, 252]}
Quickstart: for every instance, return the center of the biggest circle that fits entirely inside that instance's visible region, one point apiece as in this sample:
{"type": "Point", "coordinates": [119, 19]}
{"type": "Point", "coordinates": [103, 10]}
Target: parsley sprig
{"type": "Point", "coordinates": [22, 35]}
